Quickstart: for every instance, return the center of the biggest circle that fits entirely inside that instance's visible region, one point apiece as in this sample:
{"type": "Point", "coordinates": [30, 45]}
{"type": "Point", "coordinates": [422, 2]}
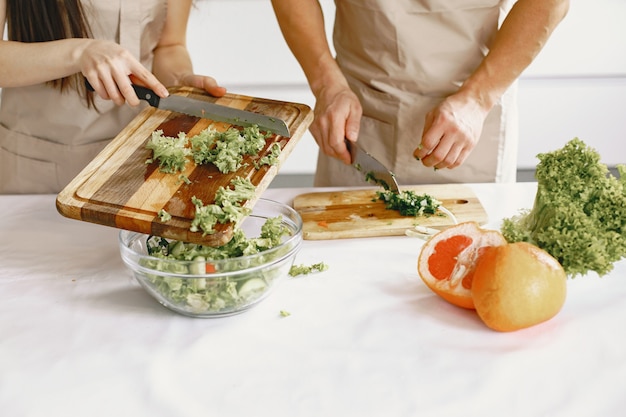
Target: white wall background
{"type": "Point", "coordinates": [576, 87]}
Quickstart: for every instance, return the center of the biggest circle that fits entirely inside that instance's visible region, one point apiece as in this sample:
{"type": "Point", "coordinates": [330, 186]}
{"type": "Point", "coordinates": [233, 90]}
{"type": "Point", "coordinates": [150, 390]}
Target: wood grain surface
{"type": "Point", "coordinates": [119, 189]}
{"type": "Point", "coordinates": [358, 213]}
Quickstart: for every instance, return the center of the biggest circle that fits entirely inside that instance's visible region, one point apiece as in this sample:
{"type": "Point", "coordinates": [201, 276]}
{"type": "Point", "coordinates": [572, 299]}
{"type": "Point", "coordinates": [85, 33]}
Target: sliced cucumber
{"type": "Point", "coordinates": [198, 266]}
{"type": "Point", "coordinates": [251, 286]}
{"type": "Point", "coordinates": [177, 248]}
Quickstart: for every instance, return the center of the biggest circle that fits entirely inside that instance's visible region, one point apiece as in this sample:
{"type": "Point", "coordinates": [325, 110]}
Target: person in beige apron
{"type": "Point", "coordinates": [411, 82]}
{"type": "Point", "coordinates": [48, 136]}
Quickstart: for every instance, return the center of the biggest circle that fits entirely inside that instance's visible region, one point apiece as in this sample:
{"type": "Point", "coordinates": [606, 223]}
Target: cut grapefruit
{"type": "Point", "coordinates": [447, 260]}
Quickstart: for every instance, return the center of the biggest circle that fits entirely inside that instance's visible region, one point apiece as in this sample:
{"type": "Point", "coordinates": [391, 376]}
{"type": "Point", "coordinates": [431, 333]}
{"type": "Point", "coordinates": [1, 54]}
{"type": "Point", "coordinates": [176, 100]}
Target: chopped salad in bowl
{"type": "Point", "coordinates": [205, 281]}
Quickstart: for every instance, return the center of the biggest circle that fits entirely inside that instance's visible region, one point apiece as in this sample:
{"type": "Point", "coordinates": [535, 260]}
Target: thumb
{"type": "Point", "coordinates": [353, 124]}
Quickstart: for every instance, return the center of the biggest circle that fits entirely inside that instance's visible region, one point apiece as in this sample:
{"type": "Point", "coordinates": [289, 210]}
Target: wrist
{"type": "Point", "coordinates": [326, 76]}
{"type": "Point", "coordinates": [483, 97]}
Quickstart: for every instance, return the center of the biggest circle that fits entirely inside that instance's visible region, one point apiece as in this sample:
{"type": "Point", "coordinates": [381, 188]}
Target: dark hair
{"type": "Point", "coordinates": [50, 20]}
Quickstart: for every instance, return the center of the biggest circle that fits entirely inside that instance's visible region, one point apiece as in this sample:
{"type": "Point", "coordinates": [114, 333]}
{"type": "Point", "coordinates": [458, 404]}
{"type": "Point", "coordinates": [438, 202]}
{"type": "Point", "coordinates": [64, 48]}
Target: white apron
{"type": "Point", "coordinates": [47, 138]}
{"type": "Point", "coordinates": [402, 58]}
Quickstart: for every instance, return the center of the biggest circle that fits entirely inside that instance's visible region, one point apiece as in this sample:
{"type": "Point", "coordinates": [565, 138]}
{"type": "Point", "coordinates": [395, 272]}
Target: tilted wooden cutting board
{"type": "Point", "coordinates": [119, 189]}
{"type": "Point", "coordinates": [358, 213]}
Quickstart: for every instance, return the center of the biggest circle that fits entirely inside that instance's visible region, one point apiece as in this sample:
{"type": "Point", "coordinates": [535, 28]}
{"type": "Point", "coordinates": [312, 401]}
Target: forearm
{"type": "Point", "coordinates": [172, 64]}
{"type": "Point", "coordinates": [33, 63]}
{"type": "Point", "coordinates": [522, 36]}
{"type": "Point", "coordinates": [302, 25]}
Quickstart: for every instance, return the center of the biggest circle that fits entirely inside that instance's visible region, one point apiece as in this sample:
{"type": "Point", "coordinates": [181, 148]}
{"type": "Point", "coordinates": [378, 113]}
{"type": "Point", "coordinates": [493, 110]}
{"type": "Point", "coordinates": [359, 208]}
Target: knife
{"type": "Point", "coordinates": [374, 171]}
{"type": "Point", "coordinates": [212, 111]}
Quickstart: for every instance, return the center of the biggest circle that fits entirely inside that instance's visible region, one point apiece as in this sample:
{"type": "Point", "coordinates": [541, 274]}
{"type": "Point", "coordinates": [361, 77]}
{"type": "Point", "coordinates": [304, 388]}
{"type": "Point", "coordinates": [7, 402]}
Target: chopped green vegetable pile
{"type": "Point", "coordinates": [579, 213]}
{"type": "Point", "coordinates": [227, 207]}
{"type": "Point", "coordinates": [171, 153]}
{"type": "Point", "coordinates": [225, 149]}
{"type": "Point", "coordinates": [409, 203]}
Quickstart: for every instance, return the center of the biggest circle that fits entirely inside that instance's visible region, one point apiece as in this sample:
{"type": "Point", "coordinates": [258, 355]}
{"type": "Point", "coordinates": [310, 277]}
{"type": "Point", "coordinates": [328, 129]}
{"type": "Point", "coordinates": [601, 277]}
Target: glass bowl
{"type": "Point", "coordinates": [206, 286]}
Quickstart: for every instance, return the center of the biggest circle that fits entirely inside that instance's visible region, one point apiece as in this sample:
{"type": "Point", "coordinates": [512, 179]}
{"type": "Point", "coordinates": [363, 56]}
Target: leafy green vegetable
{"type": "Point", "coordinates": [171, 153]}
{"type": "Point", "coordinates": [271, 235]}
{"type": "Point", "coordinates": [409, 203]}
{"type": "Point", "coordinates": [226, 149]}
{"type": "Point", "coordinates": [216, 294]}
{"type": "Point", "coordinates": [307, 269]}
{"type": "Point", "coordinates": [371, 177]}
{"type": "Point", "coordinates": [271, 158]}
{"type": "Point", "coordinates": [242, 190]}
{"type": "Point", "coordinates": [226, 209]}
{"type": "Point", "coordinates": [184, 179]}
{"type": "Point", "coordinates": [254, 139]}
{"type": "Point", "coordinates": [579, 212]}
{"type": "Point", "coordinates": [164, 216]}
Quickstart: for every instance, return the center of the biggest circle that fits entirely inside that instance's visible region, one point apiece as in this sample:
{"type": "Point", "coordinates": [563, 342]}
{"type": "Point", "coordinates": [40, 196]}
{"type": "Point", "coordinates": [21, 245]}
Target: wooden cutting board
{"type": "Point", "coordinates": [358, 213]}
{"type": "Point", "coordinates": [119, 189]}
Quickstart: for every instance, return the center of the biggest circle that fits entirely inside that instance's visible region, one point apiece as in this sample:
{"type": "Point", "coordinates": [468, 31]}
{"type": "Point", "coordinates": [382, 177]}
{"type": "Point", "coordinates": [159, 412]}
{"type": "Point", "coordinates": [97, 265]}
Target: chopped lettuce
{"type": "Point", "coordinates": [164, 216]}
{"type": "Point", "coordinates": [271, 158]}
{"type": "Point", "coordinates": [297, 270]}
{"type": "Point", "coordinates": [171, 153]}
{"type": "Point", "coordinates": [226, 209]}
{"type": "Point", "coordinates": [225, 149]}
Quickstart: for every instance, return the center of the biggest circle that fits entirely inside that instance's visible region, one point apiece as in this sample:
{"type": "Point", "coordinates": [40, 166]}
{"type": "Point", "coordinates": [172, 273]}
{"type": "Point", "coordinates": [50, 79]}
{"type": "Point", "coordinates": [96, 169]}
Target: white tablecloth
{"type": "Point", "coordinates": [79, 337]}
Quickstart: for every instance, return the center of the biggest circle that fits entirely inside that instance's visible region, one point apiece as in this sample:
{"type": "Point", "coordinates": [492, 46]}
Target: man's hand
{"type": "Point", "coordinates": [451, 131]}
{"type": "Point", "coordinates": [337, 117]}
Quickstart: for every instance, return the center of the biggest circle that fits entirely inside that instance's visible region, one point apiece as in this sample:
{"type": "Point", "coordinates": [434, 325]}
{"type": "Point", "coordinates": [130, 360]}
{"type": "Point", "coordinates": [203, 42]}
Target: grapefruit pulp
{"type": "Point", "coordinates": [447, 260]}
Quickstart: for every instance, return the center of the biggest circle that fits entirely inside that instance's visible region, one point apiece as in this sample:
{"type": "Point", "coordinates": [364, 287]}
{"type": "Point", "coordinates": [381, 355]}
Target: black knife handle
{"type": "Point", "coordinates": [145, 93]}
{"type": "Point", "coordinates": [88, 85]}
{"type": "Point", "coordinates": [351, 149]}
{"type": "Point", "coordinates": [142, 92]}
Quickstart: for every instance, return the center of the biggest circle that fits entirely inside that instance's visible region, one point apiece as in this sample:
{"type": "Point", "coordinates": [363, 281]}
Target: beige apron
{"type": "Point", "coordinates": [402, 58]}
{"type": "Point", "coordinates": [46, 137]}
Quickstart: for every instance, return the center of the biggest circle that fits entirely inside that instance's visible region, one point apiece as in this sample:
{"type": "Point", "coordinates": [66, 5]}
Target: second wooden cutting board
{"type": "Point", "coordinates": [358, 213]}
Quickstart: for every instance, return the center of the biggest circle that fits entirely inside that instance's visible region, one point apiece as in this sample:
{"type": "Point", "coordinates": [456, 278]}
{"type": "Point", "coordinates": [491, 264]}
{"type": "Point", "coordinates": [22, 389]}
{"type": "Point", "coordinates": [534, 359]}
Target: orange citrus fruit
{"type": "Point", "coordinates": [517, 285]}
{"type": "Point", "coordinates": [447, 260]}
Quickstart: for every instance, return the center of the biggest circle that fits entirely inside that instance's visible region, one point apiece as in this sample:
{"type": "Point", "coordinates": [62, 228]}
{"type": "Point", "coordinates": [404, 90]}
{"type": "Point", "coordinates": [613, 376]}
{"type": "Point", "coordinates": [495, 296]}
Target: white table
{"type": "Point", "coordinates": [79, 337]}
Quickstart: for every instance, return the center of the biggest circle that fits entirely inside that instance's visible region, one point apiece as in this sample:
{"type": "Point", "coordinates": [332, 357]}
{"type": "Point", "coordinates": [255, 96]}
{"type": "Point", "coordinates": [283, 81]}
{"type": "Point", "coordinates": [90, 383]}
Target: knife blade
{"type": "Point", "coordinates": [375, 172]}
{"type": "Point", "coordinates": [212, 111]}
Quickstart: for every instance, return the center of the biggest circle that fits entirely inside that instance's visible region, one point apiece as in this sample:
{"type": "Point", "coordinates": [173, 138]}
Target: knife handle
{"type": "Point", "coordinates": [143, 93]}
{"type": "Point", "coordinates": [351, 149]}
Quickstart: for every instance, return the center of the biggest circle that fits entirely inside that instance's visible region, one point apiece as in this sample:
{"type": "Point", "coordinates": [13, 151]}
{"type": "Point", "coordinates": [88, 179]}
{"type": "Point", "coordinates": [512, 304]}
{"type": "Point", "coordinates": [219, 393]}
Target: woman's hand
{"type": "Point", "coordinates": [204, 82]}
{"type": "Point", "coordinates": [110, 69]}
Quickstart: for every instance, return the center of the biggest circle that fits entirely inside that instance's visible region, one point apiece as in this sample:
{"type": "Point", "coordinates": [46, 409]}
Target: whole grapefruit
{"type": "Point", "coordinates": [517, 285]}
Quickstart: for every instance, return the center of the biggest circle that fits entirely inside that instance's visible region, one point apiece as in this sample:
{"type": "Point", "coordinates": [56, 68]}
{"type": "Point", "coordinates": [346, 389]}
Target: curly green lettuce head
{"type": "Point", "coordinates": [579, 213]}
